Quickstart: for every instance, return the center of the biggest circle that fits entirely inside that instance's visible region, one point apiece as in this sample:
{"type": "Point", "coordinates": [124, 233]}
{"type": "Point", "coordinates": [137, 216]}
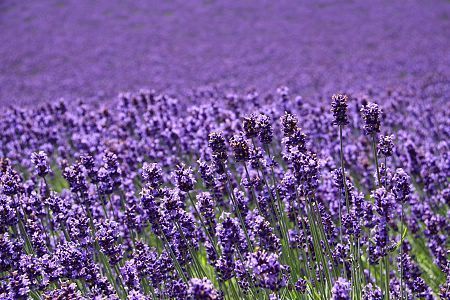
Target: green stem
{"type": "Point", "coordinates": [386, 259]}
{"type": "Point", "coordinates": [401, 253]}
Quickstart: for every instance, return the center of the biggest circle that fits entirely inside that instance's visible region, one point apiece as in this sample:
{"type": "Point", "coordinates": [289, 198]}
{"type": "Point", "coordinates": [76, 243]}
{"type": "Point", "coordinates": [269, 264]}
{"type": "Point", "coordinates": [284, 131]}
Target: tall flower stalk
{"type": "Point", "coordinates": [371, 115]}
{"type": "Point", "coordinates": [340, 118]}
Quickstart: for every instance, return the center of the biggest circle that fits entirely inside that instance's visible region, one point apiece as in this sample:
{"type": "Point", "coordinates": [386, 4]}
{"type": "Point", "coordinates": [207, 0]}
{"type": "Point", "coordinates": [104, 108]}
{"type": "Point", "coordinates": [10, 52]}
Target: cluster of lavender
{"type": "Point", "coordinates": [253, 198]}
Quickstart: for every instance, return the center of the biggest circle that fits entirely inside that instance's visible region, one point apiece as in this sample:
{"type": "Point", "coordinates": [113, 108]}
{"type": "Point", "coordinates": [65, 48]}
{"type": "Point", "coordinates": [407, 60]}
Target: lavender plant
{"type": "Point", "coordinates": [148, 201]}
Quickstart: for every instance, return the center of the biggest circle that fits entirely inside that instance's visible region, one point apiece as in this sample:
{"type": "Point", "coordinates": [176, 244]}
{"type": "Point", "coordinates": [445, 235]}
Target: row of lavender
{"type": "Point", "coordinates": [242, 197]}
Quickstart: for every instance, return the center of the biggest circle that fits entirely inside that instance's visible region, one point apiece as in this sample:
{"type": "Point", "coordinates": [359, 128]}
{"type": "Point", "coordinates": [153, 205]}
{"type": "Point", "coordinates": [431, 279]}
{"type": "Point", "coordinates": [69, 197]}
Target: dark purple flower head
{"type": "Point", "coordinates": [240, 147]}
{"type": "Point", "coordinates": [305, 167]}
{"type": "Point", "coordinates": [300, 286]}
{"type": "Point", "coordinates": [65, 291]}
{"type": "Point", "coordinates": [176, 289]}
{"type": "Point", "coordinates": [111, 161]}
{"type": "Point", "coordinates": [338, 179]}
{"type": "Point", "coordinates": [10, 251]}
{"type": "Point", "coordinates": [386, 145]}
{"type": "Point", "coordinates": [74, 175]}
{"type": "Point", "coordinates": [40, 161]}
{"type": "Point", "coordinates": [202, 289]}
{"type": "Point", "coordinates": [250, 126]}
{"type": "Point", "coordinates": [19, 286]}
{"type": "Point", "coordinates": [379, 249]}
{"type": "Point", "coordinates": [288, 123]}
{"type": "Point", "coordinates": [229, 234]}
{"type": "Point", "coordinates": [184, 178]}
{"type": "Point", "coordinates": [129, 273]}
{"type": "Point", "coordinates": [371, 115]}
{"type": "Point", "coordinates": [137, 295]}
{"type": "Point", "coordinates": [341, 290]}
{"type": "Point", "coordinates": [172, 205]}
{"type": "Point", "coordinates": [207, 173]}
{"type": "Point", "coordinates": [7, 213]}
{"type": "Point", "coordinates": [107, 236]}
{"type": "Point", "coordinates": [351, 224]}
{"type": "Point", "coordinates": [265, 129]}
{"type": "Point", "coordinates": [339, 109]}
{"type": "Point", "coordinates": [10, 182]}
{"type": "Point", "coordinates": [401, 185]}
{"type": "Point", "coordinates": [225, 267]}
{"type": "Point", "coordinates": [206, 207]}
{"type": "Point", "coordinates": [371, 292]}
{"type": "Point", "coordinates": [384, 201]}
{"type": "Point", "coordinates": [151, 174]}
{"type": "Point", "coordinates": [262, 231]}
{"type": "Point", "coordinates": [216, 142]}
{"type": "Point", "coordinates": [87, 161]}
{"type": "Point", "coordinates": [296, 139]}
{"type": "Point", "coordinates": [266, 270]}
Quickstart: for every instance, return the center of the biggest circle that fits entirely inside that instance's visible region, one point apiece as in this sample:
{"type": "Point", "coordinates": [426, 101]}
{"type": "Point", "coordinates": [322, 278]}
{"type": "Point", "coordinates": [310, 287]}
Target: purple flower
{"type": "Point", "coordinates": [265, 129]}
{"type": "Point", "coordinates": [10, 182]}
{"type": "Point", "coordinates": [263, 232]}
{"type": "Point", "coordinates": [296, 140]}
{"type": "Point", "coordinates": [266, 270]}
{"type": "Point", "coordinates": [371, 115]}
{"type": "Point", "coordinates": [107, 236]}
{"type": "Point", "coordinates": [300, 286]}
{"type": "Point", "coordinates": [18, 286]}
{"type": "Point", "coordinates": [341, 290]}
{"type": "Point", "coordinates": [184, 178]}
{"type": "Point", "coordinates": [129, 273]}
{"type": "Point", "coordinates": [288, 123]}
{"type": "Point", "coordinates": [379, 249]}
{"type": "Point", "coordinates": [65, 291]}
{"type": "Point", "coordinates": [177, 289]}
{"type": "Point", "coordinates": [401, 185]}
{"type": "Point", "coordinates": [250, 126]}
{"type": "Point", "coordinates": [40, 161]}
{"type": "Point", "coordinates": [151, 174]}
{"type": "Point", "coordinates": [7, 213]}
{"type": "Point", "coordinates": [229, 235]}
{"type": "Point", "coordinates": [74, 175]}
{"type": "Point", "coordinates": [240, 147]}
{"type": "Point", "coordinates": [216, 142]}
{"type": "Point", "coordinates": [371, 292]}
{"type": "Point", "coordinates": [202, 289]}
{"type": "Point", "coordinates": [384, 201]}
{"type": "Point", "coordinates": [206, 206]}
{"type": "Point", "coordinates": [305, 167]}
{"type": "Point", "coordinates": [339, 109]}
{"type": "Point", "coordinates": [386, 145]}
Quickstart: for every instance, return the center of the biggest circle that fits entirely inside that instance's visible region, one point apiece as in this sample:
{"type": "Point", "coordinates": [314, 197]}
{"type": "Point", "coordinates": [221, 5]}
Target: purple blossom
{"type": "Point", "coordinates": [240, 147]}
{"type": "Point", "coordinates": [202, 289]}
{"type": "Point", "coordinates": [341, 290]}
{"type": "Point", "coordinates": [371, 114]}
{"type": "Point", "coordinates": [339, 109]}
{"type": "Point", "coordinates": [386, 145]}
{"type": "Point", "coordinates": [40, 161]}
{"type": "Point", "coordinates": [266, 270]}
{"type": "Point", "coordinates": [184, 178]}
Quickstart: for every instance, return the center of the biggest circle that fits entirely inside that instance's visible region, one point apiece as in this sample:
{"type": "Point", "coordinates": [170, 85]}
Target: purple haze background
{"type": "Point", "coordinates": [74, 49]}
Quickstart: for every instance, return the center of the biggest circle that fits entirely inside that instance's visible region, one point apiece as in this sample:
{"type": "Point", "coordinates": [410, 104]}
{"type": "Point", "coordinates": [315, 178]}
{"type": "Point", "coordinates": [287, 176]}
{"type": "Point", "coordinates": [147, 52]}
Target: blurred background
{"type": "Point", "coordinates": [95, 49]}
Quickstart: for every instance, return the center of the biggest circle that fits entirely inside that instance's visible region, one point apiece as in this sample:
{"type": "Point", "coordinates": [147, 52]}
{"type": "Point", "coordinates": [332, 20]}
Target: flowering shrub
{"type": "Point", "coordinates": [241, 197]}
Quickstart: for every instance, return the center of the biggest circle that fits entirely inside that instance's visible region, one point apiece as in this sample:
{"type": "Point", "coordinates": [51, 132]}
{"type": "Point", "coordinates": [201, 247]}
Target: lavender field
{"type": "Point", "coordinates": [219, 150]}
